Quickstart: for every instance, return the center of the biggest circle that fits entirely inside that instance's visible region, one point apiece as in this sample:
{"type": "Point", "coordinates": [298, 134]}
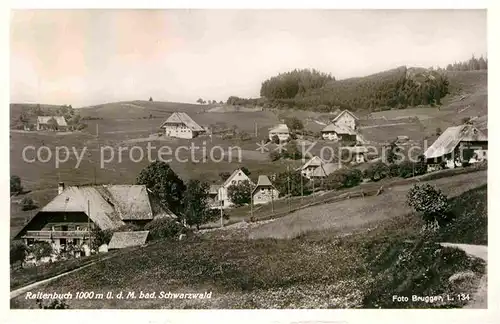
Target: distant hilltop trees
{"type": "Point", "coordinates": [295, 83]}
{"type": "Point", "coordinates": [313, 90]}
{"type": "Point", "coordinates": [473, 64]}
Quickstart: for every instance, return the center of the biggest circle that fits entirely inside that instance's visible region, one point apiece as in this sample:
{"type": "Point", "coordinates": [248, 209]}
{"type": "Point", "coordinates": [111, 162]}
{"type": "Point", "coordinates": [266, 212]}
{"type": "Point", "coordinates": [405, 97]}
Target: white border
{"type": "Point", "coordinates": [266, 316]}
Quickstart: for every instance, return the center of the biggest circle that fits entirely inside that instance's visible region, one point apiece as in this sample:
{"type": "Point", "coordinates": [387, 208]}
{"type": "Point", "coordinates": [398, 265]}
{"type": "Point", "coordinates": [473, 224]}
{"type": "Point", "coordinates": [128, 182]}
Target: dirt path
{"type": "Point", "coordinates": [480, 297]}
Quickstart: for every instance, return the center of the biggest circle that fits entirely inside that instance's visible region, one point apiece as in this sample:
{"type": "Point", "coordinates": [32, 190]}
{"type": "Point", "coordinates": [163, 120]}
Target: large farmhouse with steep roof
{"type": "Point", "coordinates": [180, 125]}
{"type": "Point", "coordinates": [76, 210]}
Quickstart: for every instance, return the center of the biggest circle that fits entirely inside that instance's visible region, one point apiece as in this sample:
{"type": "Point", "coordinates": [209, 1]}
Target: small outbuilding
{"type": "Point", "coordinates": [121, 240]}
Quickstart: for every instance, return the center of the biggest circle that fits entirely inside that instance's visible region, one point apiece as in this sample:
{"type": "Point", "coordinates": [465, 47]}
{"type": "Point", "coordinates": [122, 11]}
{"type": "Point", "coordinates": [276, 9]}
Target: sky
{"type": "Point", "coordinates": [89, 57]}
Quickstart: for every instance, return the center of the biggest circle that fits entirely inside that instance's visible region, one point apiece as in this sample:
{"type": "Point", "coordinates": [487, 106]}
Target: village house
{"type": "Point", "coordinates": [456, 145]}
{"type": "Point", "coordinates": [264, 191]}
{"type": "Point", "coordinates": [342, 128]}
{"type": "Point", "coordinates": [334, 132]}
{"type": "Point", "coordinates": [53, 123]}
{"type": "Point", "coordinates": [180, 125]}
{"type": "Point", "coordinates": [69, 218]}
{"type": "Point", "coordinates": [346, 119]}
{"type": "Point", "coordinates": [235, 178]}
{"type": "Point", "coordinates": [308, 168]}
{"type": "Point", "coordinates": [281, 131]}
{"type": "Point", "coordinates": [325, 170]}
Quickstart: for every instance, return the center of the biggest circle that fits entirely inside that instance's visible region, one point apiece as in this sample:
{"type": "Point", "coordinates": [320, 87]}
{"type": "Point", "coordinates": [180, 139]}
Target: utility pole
{"type": "Point", "coordinates": [288, 183]}
{"type": "Point", "coordinates": [88, 223]}
{"type": "Point", "coordinates": [272, 198]}
{"type": "Point", "coordinates": [221, 214]}
{"type": "Point", "coordinates": [301, 188]}
{"type": "Point", "coordinates": [256, 130]}
{"type": "Point", "coordinates": [251, 206]}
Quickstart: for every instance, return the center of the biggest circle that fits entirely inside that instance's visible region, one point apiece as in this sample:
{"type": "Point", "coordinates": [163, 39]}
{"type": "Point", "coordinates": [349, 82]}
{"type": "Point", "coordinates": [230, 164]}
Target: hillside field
{"type": "Point", "coordinates": [363, 269]}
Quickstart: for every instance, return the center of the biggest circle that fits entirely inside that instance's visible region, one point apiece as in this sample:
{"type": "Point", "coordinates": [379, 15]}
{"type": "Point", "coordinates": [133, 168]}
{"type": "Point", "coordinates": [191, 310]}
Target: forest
{"type": "Point", "coordinates": [398, 88]}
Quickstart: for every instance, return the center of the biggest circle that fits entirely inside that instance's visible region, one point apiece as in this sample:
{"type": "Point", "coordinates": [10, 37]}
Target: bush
{"type": "Point", "coordinates": [377, 171]}
{"type": "Point", "coordinates": [164, 228]}
{"type": "Point", "coordinates": [18, 252]}
{"type": "Point", "coordinates": [15, 184]}
{"type": "Point", "coordinates": [27, 204]}
{"type": "Point", "coordinates": [41, 250]}
{"type": "Point", "coordinates": [394, 170]}
{"type": "Point", "coordinates": [406, 169]}
{"type": "Point", "coordinates": [100, 237]}
{"type": "Point", "coordinates": [343, 178]}
{"type": "Point", "coordinates": [240, 193]}
{"type": "Point", "coordinates": [54, 304]}
{"type": "Point", "coordinates": [430, 203]}
{"type": "Point", "coordinates": [274, 156]}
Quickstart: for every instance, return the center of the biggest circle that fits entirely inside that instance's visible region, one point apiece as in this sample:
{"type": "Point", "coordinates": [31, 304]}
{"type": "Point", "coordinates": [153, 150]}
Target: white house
{"type": "Point", "coordinates": [180, 125]}
{"type": "Point", "coordinates": [308, 168]}
{"type": "Point", "coordinates": [264, 191]}
{"type": "Point", "coordinates": [237, 177]}
{"type": "Point", "coordinates": [458, 144]}
{"type": "Point", "coordinates": [281, 131]}
{"type": "Point", "coordinates": [44, 123]}
{"type": "Point", "coordinates": [346, 119]}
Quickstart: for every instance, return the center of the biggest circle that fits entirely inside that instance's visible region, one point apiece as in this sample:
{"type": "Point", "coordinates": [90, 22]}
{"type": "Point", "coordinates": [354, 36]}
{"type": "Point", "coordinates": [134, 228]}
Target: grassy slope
{"type": "Point", "coordinates": [344, 216]}
{"type": "Point", "coordinates": [361, 270]}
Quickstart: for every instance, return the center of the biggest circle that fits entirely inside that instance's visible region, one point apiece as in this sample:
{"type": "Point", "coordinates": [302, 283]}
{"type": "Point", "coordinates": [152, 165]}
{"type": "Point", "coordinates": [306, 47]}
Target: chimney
{"type": "Point", "coordinates": [60, 188]}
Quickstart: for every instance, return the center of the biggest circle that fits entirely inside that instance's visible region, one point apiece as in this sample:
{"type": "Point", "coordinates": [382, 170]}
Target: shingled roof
{"type": "Point", "coordinates": [280, 128]}
{"type": "Point", "coordinates": [263, 181]}
{"type": "Point", "coordinates": [345, 112]}
{"type": "Point", "coordinates": [183, 118]}
{"type": "Point", "coordinates": [110, 205]}
{"type": "Point", "coordinates": [121, 240]}
{"type": "Point", "coordinates": [451, 137]}
{"type": "Point", "coordinates": [45, 120]}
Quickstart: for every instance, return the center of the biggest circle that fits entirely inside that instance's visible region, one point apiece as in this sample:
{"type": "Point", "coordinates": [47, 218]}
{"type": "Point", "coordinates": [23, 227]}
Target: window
{"type": "Point", "coordinates": [62, 241]}
{"type": "Point", "coordinates": [75, 241]}
{"type": "Point", "coordinates": [64, 228]}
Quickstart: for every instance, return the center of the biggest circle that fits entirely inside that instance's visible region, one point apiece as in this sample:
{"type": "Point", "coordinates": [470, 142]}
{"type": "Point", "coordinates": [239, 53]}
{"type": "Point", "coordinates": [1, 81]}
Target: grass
{"type": "Point", "coordinates": [20, 277]}
{"type": "Point", "coordinates": [364, 269]}
{"type": "Point", "coordinates": [471, 223]}
{"type": "Point", "coordinates": [283, 207]}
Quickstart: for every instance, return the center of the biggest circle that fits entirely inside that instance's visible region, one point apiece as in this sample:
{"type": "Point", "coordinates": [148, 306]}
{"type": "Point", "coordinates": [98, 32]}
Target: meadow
{"type": "Point", "coordinates": [363, 269]}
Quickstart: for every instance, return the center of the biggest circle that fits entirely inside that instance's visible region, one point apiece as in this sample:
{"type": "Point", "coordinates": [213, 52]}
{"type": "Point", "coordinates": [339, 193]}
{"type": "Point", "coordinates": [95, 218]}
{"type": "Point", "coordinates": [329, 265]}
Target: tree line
{"type": "Point", "coordinates": [396, 88]}
{"type": "Point", "coordinates": [472, 64]}
{"type": "Point", "coordinates": [313, 90]}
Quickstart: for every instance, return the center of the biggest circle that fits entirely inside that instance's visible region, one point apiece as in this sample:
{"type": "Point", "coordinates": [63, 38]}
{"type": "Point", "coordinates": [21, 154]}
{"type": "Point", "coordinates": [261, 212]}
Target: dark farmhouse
{"type": "Point", "coordinates": [76, 210]}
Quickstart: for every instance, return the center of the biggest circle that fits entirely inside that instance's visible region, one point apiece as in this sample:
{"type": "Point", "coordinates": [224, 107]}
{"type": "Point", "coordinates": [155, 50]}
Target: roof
{"type": "Point", "coordinates": [183, 118]}
{"type": "Point", "coordinates": [345, 112]}
{"type": "Point", "coordinates": [338, 129]}
{"type": "Point", "coordinates": [281, 128]}
{"type": "Point", "coordinates": [45, 119]}
{"type": "Point", "coordinates": [326, 169]}
{"type": "Point", "coordinates": [110, 205]}
{"type": "Point", "coordinates": [314, 161]}
{"type": "Point", "coordinates": [121, 240]}
{"type": "Point", "coordinates": [451, 137]}
{"type": "Point", "coordinates": [263, 181]}
{"type": "Point", "coordinates": [214, 189]}
{"type": "Point", "coordinates": [235, 172]}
